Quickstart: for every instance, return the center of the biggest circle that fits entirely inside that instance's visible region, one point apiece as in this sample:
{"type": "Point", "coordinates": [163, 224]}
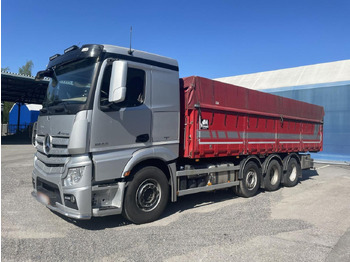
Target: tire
{"type": "Point", "coordinates": [272, 179]}
{"type": "Point", "coordinates": [146, 196]}
{"type": "Point", "coordinates": [250, 183]}
{"type": "Point", "coordinates": [293, 173]}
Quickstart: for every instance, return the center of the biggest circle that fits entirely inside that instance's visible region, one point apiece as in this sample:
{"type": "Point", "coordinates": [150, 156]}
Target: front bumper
{"type": "Point", "coordinates": [81, 201]}
{"type": "Point", "coordinates": [100, 211]}
{"type": "Point", "coordinates": [59, 208]}
{"type": "Point", "coordinates": [49, 189]}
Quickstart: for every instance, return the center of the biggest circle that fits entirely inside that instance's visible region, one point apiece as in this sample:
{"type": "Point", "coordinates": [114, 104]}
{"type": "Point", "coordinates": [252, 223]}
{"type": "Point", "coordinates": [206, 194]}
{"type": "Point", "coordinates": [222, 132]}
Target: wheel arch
{"type": "Point", "coordinates": [156, 162]}
{"type": "Point", "coordinates": [267, 161]}
{"type": "Point", "coordinates": [160, 157]}
{"type": "Point", "coordinates": [288, 158]}
{"type": "Point", "coordinates": [245, 161]}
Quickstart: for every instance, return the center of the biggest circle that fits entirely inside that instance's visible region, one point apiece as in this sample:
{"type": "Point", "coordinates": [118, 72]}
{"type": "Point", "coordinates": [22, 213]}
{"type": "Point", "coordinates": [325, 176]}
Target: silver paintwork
{"type": "Point", "coordinates": [222, 170]}
{"type": "Point", "coordinates": [81, 191]}
{"type": "Point", "coordinates": [207, 188]}
{"type": "Point", "coordinates": [78, 138]}
{"type": "Point", "coordinates": [113, 134]}
{"type": "Point", "coordinates": [110, 165]}
{"type": "Point", "coordinates": [165, 153]}
{"type": "Point", "coordinates": [108, 199]}
{"type": "Point", "coordinates": [105, 142]}
{"type": "Point", "coordinates": [55, 125]}
{"type": "Point", "coordinates": [140, 54]}
{"type": "Point", "coordinates": [211, 169]}
{"type": "Point", "coordinates": [117, 86]}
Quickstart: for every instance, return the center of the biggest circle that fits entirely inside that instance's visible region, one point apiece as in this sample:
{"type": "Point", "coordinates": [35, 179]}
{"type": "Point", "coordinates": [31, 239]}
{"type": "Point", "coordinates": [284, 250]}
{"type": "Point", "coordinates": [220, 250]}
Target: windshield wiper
{"type": "Point", "coordinates": [48, 108]}
{"type": "Point", "coordinates": [44, 110]}
{"type": "Point", "coordinates": [60, 109]}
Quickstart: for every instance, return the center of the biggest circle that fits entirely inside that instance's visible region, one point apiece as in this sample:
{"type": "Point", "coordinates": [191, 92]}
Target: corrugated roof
{"type": "Point", "coordinates": [338, 71]}
{"type": "Point", "coordinates": [22, 88]}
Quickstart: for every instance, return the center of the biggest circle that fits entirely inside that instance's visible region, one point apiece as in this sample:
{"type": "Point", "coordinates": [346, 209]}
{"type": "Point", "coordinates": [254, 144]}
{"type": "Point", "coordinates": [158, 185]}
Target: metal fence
{"type": "Point", "coordinates": [7, 129]}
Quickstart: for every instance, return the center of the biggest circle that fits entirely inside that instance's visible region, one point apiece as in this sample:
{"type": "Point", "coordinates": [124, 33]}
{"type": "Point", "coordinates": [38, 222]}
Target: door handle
{"type": "Point", "coordinates": [142, 138]}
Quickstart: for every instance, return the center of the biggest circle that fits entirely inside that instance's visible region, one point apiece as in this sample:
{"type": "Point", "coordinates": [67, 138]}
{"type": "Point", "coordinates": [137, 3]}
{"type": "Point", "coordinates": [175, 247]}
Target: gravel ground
{"type": "Point", "coordinates": [310, 222]}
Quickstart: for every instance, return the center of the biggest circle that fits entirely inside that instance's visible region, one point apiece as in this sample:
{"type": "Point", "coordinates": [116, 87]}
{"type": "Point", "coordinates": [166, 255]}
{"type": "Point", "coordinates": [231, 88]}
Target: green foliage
{"type": "Point", "coordinates": [5, 113]}
{"type": "Point", "coordinates": [26, 69]}
{"type": "Point", "coordinates": [7, 105]}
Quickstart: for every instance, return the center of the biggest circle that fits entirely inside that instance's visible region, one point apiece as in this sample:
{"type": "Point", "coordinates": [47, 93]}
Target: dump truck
{"type": "Point", "coordinates": [121, 133]}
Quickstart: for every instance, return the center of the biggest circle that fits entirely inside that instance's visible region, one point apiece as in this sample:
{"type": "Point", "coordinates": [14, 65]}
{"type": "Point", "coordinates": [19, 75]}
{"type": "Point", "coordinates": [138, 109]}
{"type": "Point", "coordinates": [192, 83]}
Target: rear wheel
{"type": "Point", "coordinates": [146, 196]}
{"type": "Point", "coordinates": [293, 173]}
{"type": "Point", "coordinates": [250, 182]}
{"type": "Point", "coordinates": [273, 176]}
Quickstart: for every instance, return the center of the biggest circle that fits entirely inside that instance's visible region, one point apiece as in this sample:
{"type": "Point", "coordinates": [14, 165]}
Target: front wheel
{"type": "Point", "coordinates": [146, 196]}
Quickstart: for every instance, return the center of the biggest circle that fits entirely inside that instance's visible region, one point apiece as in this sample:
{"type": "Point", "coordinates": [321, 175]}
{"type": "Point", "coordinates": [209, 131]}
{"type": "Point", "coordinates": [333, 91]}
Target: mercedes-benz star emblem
{"type": "Point", "coordinates": [47, 144]}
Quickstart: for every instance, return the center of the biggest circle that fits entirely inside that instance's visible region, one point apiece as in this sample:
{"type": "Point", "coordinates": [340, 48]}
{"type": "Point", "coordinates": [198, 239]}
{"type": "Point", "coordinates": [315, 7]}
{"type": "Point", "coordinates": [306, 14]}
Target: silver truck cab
{"type": "Point", "coordinates": [109, 111]}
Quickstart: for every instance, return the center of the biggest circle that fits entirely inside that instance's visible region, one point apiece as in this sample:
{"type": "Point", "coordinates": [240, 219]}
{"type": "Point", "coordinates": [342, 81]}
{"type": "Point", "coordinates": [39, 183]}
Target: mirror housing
{"type": "Point", "coordinates": [117, 87]}
{"type": "Point", "coordinates": [42, 74]}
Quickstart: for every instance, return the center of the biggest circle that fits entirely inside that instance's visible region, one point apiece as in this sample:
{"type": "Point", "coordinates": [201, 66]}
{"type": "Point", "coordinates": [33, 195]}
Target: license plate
{"type": "Point", "coordinates": [43, 198]}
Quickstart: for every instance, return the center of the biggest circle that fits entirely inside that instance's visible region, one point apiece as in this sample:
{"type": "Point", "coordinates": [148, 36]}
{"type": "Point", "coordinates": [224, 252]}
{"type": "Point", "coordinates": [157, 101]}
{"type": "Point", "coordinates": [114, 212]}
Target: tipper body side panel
{"type": "Point", "coordinates": [227, 120]}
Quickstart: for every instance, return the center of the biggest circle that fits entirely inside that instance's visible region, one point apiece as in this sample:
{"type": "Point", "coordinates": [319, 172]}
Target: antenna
{"type": "Point", "coordinates": [130, 52]}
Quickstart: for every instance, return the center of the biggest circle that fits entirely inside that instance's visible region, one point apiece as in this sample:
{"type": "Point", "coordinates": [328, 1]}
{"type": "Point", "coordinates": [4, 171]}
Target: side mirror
{"type": "Point", "coordinates": [41, 74]}
{"type": "Point", "coordinates": [117, 87]}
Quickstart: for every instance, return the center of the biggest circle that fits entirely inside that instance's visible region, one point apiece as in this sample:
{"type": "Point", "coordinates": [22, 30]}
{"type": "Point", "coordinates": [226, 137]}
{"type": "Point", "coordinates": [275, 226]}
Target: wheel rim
{"type": "Point", "coordinates": [274, 175]}
{"type": "Point", "coordinates": [251, 179]}
{"type": "Point", "coordinates": [148, 195]}
{"type": "Point", "coordinates": [293, 174]}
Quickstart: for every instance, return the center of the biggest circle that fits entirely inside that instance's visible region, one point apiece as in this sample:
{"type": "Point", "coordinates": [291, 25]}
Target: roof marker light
{"type": "Point", "coordinates": [73, 47]}
{"type": "Point", "coordinates": [54, 56]}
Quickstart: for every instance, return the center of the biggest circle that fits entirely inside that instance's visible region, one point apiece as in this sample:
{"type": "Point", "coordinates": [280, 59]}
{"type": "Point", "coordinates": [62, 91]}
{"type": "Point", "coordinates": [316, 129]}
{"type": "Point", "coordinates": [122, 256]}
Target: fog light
{"type": "Point", "coordinates": [73, 177]}
{"type": "Point", "coordinates": [72, 199]}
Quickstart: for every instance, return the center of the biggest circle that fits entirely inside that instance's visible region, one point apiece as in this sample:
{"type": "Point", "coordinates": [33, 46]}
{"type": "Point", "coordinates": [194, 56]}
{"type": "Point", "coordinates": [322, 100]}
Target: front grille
{"type": "Point", "coordinates": [59, 145]}
{"type": "Point", "coordinates": [50, 190]}
{"type": "Point", "coordinates": [54, 162]}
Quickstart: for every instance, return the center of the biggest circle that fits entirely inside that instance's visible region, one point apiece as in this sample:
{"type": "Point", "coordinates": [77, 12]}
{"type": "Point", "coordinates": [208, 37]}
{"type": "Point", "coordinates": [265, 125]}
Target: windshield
{"type": "Point", "coordinates": [70, 83]}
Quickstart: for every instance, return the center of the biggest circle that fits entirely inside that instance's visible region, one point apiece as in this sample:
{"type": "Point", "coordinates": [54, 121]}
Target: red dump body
{"type": "Point", "coordinates": [227, 120]}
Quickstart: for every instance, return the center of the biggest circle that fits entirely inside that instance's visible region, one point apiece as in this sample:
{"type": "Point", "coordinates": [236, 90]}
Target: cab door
{"type": "Point", "coordinates": [120, 129]}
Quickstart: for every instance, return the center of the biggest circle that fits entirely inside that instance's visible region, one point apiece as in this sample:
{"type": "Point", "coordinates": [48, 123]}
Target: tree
{"type": "Point", "coordinates": [6, 106]}
{"type": "Point", "coordinates": [26, 69]}
{"type": "Point", "coordinates": [5, 113]}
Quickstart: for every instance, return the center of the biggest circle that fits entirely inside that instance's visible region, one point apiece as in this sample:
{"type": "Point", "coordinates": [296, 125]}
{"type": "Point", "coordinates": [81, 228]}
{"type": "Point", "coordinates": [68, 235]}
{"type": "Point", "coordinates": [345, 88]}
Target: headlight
{"type": "Point", "coordinates": [73, 177]}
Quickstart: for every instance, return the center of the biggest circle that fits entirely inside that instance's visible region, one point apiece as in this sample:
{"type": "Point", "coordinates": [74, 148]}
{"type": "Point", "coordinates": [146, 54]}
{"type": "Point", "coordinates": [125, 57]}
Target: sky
{"type": "Point", "coordinates": [208, 38]}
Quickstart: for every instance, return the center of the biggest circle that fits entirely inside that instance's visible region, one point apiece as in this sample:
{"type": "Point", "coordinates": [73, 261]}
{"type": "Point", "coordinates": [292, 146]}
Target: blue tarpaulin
{"type": "Point", "coordinates": [28, 115]}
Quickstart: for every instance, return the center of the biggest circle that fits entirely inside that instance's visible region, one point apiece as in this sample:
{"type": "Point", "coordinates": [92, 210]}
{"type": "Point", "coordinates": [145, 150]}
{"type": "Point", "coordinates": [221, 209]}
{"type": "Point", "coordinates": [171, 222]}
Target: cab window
{"type": "Point", "coordinates": [135, 88]}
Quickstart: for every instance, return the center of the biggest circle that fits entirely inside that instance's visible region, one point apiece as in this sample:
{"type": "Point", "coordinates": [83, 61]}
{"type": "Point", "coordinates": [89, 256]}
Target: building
{"type": "Point", "coordinates": [28, 114]}
{"type": "Point", "coordinates": [21, 89]}
{"type": "Point", "coordinates": [326, 84]}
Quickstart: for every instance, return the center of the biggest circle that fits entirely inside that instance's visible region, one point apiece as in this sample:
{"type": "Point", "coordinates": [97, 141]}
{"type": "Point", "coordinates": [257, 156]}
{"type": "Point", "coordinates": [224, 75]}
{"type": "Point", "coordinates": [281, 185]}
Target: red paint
{"type": "Point", "coordinates": [242, 121]}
